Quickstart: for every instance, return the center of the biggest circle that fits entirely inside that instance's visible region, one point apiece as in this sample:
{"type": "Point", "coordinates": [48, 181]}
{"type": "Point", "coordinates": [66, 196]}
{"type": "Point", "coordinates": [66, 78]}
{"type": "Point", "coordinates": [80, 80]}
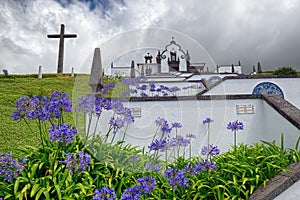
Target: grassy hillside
{"type": "Point", "coordinates": [14, 135]}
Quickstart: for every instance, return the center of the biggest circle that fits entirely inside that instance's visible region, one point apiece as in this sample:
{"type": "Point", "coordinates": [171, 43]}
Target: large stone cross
{"type": "Point", "coordinates": [61, 36]}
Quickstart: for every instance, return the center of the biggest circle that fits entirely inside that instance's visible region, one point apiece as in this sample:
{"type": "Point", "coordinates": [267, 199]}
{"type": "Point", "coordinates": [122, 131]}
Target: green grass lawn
{"type": "Point", "coordinates": [14, 135]}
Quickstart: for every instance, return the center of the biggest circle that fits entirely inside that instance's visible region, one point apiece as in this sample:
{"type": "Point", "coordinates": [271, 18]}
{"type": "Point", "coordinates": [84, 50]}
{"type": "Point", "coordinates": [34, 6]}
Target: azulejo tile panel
{"type": "Point", "coordinates": [214, 79]}
{"type": "Point", "coordinates": [268, 88]}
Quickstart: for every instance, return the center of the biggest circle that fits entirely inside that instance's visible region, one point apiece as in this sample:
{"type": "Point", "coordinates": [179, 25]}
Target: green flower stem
{"type": "Point", "coordinates": [235, 139]}
{"type": "Point", "coordinates": [61, 116]}
{"type": "Point", "coordinates": [108, 132]}
{"type": "Point", "coordinates": [190, 151]}
{"type": "Point", "coordinates": [95, 129]}
{"type": "Point", "coordinates": [174, 198]}
{"type": "Point", "coordinates": [166, 158]}
{"type": "Point", "coordinates": [41, 132]}
{"type": "Point", "coordinates": [208, 133]}
{"type": "Point", "coordinates": [89, 127]}
{"type": "Point", "coordinates": [97, 121]}
{"type": "Point", "coordinates": [123, 139]}
{"type": "Point", "coordinates": [113, 138]}
{"type": "Point", "coordinates": [155, 134]}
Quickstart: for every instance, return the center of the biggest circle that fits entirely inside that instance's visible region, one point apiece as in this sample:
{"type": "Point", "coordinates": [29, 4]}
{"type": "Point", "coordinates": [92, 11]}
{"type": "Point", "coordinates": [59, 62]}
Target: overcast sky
{"type": "Point", "coordinates": [267, 31]}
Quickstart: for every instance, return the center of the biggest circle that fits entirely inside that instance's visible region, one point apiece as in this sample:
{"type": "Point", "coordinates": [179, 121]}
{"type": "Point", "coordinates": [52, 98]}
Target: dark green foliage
{"type": "Point", "coordinates": [283, 71]}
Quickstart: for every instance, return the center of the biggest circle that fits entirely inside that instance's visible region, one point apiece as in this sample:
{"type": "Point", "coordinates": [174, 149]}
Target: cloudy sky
{"type": "Point", "coordinates": [246, 30]}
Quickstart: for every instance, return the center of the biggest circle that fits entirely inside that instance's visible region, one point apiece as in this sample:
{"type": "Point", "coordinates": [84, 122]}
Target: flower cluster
{"type": "Point", "coordinates": [190, 135]}
{"type": "Point", "coordinates": [128, 92]}
{"type": "Point", "coordinates": [59, 101]}
{"type": "Point", "coordinates": [235, 125]}
{"type": "Point", "coordinates": [77, 162]}
{"type": "Point", "coordinates": [147, 89]}
{"type": "Point", "coordinates": [5, 72]}
{"type": "Point", "coordinates": [143, 186]}
{"type": "Point", "coordinates": [9, 167]}
{"type": "Point", "coordinates": [93, 105]}
{"type": "Point", "coordinates": [42, 108]}
{"type": "Point", "coordinates": [159, 145]}
{"type": "Point", "coordinates": [117, 123]}
{"type": "Point", "coordinates": [107, 87]}
{"type": "Point", "coordinates": [207, 120]}
{"type": "Point", "coordinates": [133, 81]}
{"type": "Point", "coordinates": [62, 133]}
{"type": "Point", "coordinates": [205, 165]}
{"type": "Point", "coordinates": [210, 151]}
{"type": "Point", "coordinates": [153, 167]}
{"type": "Point", "coordinates": [176, 178]}
{"type": "Point", "coordinates": [134, 159]}
{"type": "Point", "coordinates": [146, 184]}
{"type": "Point", "coordinates": [179, 141]}
{"type": "Point", "coordinates": [104, 193]}
{"type": "Point", "coordinates": [168, 141]}
{"type": "Point", "coordinates": [163, 125]}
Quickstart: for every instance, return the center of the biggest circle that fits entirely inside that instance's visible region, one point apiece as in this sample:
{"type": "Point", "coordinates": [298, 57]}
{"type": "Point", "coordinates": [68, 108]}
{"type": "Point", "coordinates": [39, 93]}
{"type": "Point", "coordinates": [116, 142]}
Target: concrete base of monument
{"type": "Point", "coordinates": [265, 117]}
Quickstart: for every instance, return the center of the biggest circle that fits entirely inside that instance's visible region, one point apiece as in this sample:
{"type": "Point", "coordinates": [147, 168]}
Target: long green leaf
{"type": "Point", "coordinates": [34, 189]}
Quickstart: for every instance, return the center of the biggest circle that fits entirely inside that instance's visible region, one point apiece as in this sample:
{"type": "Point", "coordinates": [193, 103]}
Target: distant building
{"type": "Point", "coordinates": [172, 59]}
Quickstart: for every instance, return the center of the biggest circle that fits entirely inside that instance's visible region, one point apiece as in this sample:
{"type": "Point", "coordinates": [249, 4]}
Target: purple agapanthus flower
{"type": "Point", "coordinates": [205, 165]}
{"type": "Point", "coordinates": [117, 105]}
{"type": "Point", "coordinates": [190, 135]}
{"type": "Point", "coordinates": [153, 167]}
{"type": "Point", "coordinates": [146, 184]}
{"type": "Point", "coordinates": [179, 141]}
{"type": "Point", "coordinates": [176, 178]}
{"type": "Point", "coordinates": [176, 125]}
{"type": "Point", "coordinates": [158, 145]}
{"type": "Point", "coordinates": [63, 133]}
{"type": "Point", "coordinates": [36, 107]}
{"type": "Point", "coordinates": [143, 94]}
{"type": "Point", "coordinates": [210, 151]}
{"type": "Point", "coordinates": [174, 89]}
{"type": "Point", "coordinates": [134, 159]}
{"type": "Point", "coordinates": [207, 120]}
{"type": "Point", "coordinates": [77, 162]}
{"type": "Point", "coordinates": [189, 169]}
{"type": "Point", "coordinates": [160, 121]}
{"type": "Point", "coordinates": [86, 104]}
{"type": "Point", "coordinates": [10, 168]}
{"type": "Point", "coordinates": [117, 123]}
{"type": "Point", "coordinates": [129, 92]}
{"type": "Point", "coordinates": [104, 193]}
{"type": "Point", "coordinates": [5, 72]}
{"type": "Point", "coordinates": [131, 194]}
{"type": "Point", "coordinates": [163, 124]}
{"type": "Point", "coordinates": [59, 102]}
{"type": "Point", "coordinates": [107, 87]}
{"type": "Point", "coordinates": [235, 125]}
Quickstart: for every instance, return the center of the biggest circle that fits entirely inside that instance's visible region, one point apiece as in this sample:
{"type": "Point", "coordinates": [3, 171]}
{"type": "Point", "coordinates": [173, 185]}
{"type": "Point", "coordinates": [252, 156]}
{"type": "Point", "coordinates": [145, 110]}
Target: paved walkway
{"type": "Point", "coordinates": [292, 193]}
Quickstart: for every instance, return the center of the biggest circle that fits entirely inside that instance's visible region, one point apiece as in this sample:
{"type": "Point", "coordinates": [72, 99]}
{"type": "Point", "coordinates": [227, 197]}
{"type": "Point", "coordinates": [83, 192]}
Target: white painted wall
{"type": "Point", "coordinates": [264, 124]}
{"type": "Point", "coordinates": [289, 86]}
{"type": "Point", "coordinates": [207, 76]}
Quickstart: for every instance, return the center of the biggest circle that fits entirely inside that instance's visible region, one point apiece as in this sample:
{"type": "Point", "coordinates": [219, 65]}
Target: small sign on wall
{"type": "Point", "coordinates": [245, 109]}
{"type": "Point", "coordinates": [136, 112]}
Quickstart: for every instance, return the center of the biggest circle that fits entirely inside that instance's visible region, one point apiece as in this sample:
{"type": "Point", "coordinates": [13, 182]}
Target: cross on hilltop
{"type": "Point", "coordinates": [61, 37]}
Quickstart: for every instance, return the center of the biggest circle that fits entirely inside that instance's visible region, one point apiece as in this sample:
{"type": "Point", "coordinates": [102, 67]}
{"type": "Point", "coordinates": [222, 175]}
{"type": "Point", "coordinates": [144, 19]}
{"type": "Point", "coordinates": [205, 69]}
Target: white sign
{"type": "Point", "coordinates": [245, 109]}
{"type": "Point", "coordinates": [136, 112]}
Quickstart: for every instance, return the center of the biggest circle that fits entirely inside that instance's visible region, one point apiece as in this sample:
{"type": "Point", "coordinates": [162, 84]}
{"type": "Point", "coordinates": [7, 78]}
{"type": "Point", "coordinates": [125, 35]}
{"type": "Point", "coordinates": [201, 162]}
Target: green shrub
{"type": "Point", "coordinates": [283, 71]}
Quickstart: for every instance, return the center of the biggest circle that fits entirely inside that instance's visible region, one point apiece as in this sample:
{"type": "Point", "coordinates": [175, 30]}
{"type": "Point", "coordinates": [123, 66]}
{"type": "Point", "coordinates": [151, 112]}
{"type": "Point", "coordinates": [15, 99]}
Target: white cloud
{"type": "Point", "coordinates": [249, 30]}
